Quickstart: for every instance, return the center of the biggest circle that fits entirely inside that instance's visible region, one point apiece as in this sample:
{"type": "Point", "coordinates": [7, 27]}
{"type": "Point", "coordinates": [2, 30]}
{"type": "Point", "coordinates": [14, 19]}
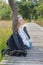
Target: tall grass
{"type": "Point", "coordinates": [5, 32]}
{"type": "Point", "coordinates": [39, 21]}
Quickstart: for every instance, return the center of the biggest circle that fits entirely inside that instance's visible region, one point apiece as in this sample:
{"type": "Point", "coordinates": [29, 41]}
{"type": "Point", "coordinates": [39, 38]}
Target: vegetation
{"type": "Point", "coordinates": [5, 12]}
{"type": "Point", "coordinates": [40, 10]}
{"type": "Point", "coordinates": [26, 8]}
{"type": "Point", "coordinates": [39, 21]}
{"type": "Point", "coordinates": [5, 32]}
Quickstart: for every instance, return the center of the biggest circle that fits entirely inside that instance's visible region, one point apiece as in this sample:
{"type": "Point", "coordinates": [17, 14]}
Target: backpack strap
{"type": "Point", "coordinates": [17, 41]}
{"type": "Point", "coordinates": [26, 32]}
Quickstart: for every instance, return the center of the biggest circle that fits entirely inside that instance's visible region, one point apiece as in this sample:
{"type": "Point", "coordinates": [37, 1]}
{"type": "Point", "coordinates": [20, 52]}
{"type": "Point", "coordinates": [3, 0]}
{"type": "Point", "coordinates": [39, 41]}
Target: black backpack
{"type": "Point", "coordinates": [15, 46]}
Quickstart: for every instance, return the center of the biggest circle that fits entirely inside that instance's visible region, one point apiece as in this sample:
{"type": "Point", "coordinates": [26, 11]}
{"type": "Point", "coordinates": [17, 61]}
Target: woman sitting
{"type": "Point", "coordinates": [20, 41]}
{"type": "Point", "coordinates": [24, 33]}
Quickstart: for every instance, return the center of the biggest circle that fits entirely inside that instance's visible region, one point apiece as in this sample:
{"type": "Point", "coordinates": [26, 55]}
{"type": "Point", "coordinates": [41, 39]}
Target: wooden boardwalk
{"type": "Point", "coordinates": [35, 55]}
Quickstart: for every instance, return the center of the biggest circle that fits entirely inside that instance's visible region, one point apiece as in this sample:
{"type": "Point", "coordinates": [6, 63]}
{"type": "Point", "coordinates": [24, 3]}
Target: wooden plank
{"type": "Point", "coordinates": [34, 56]}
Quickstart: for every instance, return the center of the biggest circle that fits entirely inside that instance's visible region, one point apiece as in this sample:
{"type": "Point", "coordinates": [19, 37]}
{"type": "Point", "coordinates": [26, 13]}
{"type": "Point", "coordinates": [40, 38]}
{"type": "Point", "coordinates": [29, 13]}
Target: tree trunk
{"type": "Point", "coordinates": [15, 19]}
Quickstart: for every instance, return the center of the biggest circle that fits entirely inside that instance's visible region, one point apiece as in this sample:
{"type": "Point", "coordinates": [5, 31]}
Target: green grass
{"type": "Point", "coordinates": [5, 32]}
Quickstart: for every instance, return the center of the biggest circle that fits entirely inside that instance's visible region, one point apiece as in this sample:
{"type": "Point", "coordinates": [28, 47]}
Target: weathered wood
{"type": "Point", "coordinates": [15, 19]}
{"type": "Point", "coordinates": [34, 56]}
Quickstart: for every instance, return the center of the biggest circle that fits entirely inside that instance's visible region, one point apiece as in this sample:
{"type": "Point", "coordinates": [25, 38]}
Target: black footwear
{"type": "Point", "coordinates": [24, 53]}
{"type": "Point", "coordinates": [18, 53]}
{"type": "Point", "coordinates": [5, 51]}
{"type": "Point", "coordinates": [21, 53]}
{"type": "Point", "coordinates": [15, 53]}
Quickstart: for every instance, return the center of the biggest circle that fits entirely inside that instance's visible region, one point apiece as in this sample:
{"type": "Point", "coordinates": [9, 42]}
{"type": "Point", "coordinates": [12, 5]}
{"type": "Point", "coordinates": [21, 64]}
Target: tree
{"type": "Point", "coordinates": [15, 19]}
{"type": "Point", "coordinates": [24, 8]}
{"type": "Point", "coordinates": [40, 10]}
{"type": "Point", "coordinates": [5, 13]}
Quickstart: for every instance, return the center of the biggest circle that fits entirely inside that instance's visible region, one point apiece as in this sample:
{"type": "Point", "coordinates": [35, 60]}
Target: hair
{"type": "Point", "coordinates": [19, 16]}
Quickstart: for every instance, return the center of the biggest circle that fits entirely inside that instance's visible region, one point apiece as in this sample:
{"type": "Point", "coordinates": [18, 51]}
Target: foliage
{"type": "Point", "coordinates": [5, 13]}
{"type": "Point", "coordinates": [40, 10]}
{"type": "Point", "coordinates": [25, 8]}
{"type": "Point", "coordinates": [5, 32]}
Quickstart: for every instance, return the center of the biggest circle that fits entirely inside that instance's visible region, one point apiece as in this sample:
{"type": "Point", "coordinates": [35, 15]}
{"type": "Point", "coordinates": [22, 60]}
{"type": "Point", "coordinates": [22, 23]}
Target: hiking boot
{"type": "Point", "coordinates": [6, 51]}
{"type": "Point", "coordinates": [18, 53]}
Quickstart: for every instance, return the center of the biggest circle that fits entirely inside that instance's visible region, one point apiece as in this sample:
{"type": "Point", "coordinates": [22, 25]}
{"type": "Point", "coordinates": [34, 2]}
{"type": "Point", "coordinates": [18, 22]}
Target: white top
{"type": "Point", "coordinates": [24, 36]}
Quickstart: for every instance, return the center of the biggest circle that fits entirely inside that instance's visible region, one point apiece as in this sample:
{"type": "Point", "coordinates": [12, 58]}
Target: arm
{"type": "Point", "coordinates": [25, 30]}
{"type": "Point", "coordinates": [15, 19]}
